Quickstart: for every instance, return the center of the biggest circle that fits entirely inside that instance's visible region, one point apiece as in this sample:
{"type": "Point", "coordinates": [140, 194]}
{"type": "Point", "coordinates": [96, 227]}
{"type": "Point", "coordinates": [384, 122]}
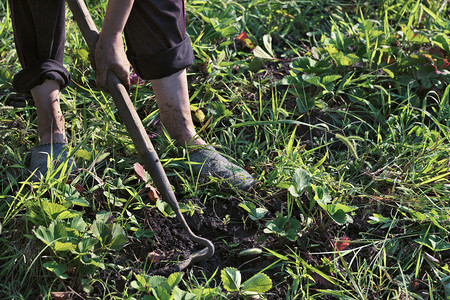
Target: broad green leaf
{"type": "Point", "coordinates": [144, 233]}
{"type": "Point", "coordinates": [322, 195]}
{"type": "Point", "coordinates": [86, 244]}
{"type": "Point", "coordinates": [419, 39]}
{"type": "Point", "coordinates": [276, 226]}
{"type": "Point", "coordinates": [407, 32]}
{"type": "Point", "coordinates": [83, 154]}
{"type": "Point", "coordinates": [100, 231]}
{"type": "Point", "coordinates": [345, 60]}
{"type": "Point", "coordinates": [67, 214]}
{"type": "Point", "coordinates": [305, 103]}
{"type": "Point", "coordinates": [267, 40]}
{"type": "Point", "coordinates": [303, 64]}
{"type": "Point", "coordinates": [260, 53]}
{"type": "Point", "coordinates": [442, 41]}
{"type": "Point", "coordinates": [156, 280]}
{"type": "Point", "coordinates": [231, 279]}
{"type": "Point", "coordinates": [338, 212]}
{"type": "Point", "coordinates": [140, 283]}
{"type": "Point", "coordinates": [59, 269]}
{"type": "Point", "coordinates": [219, 109]}
{"type": "Point", "coordinates": [147, 283]}
{"type": "Point", "coordinates": [302, 180]}
{"type": "Point", "coordinates": [71, 195]}
{"type": "Point", "coordinates": [260, 283]}
{"type": "Point", "coordinates": [254, 212]}
{"type": "Point", "coordinates": [330, 78]}
{"type": "Point", "coordinates": [434, 242]}
{"type": "Point", "coordinates": [52, 209]}
{"type": "Point", "coordinates": [341, 217]}
{"type": "Point", "coordinates": [63, 246]}
{"type": "Point", "coordinates": [103, 216]}
{"type": "Point", "coordinates": [179, 294]}
{"type": "Point", "coordinates": [376, 218]}
{"type": "Point", "coordinates": [161, 293]}
{"type": "Point", "coordinates": [79, 224]}
{"type": "Point", "coordinates": [283, 226]}
{"type": "Point", "coordinates": [331, 49]}
{"type": "Point", "coordinates": [55, 236]}
{"type": "Point", "coordinates": [418, 216]}
{"type": "Point", "coordinates": [314, 80]}
{"type": "Point", "coordinates": [83, 54]}
{"type": "Point", "coordinates": [93, 260]}
{"type": "Point", "coordinates": [293, 229]}
{"type": "Point", "coordinates": [57, 229]}
{"type": "Point", "coordinates": [165, 208]}
{"type": "Point", "coordinates": [136, 285]}
{"type": "Point", "coordinates": [174, 279]}
{"type": "Point", "coordinates": [207, 293]}
{"type": "Point", "coordinates": [43, 234]}
{"type": "Point", "coordinates": [333, 208]}
{"type": "Point", "coordinates": [80, 202]}
{"type": "Point", "coordinates": [256, 64]}
{"type": "Point", "coordinates": [141, 279]}
{"type": "Point", "coordinates": [260, 212]}
{"type": "Point", "coordinates": [118, 237]}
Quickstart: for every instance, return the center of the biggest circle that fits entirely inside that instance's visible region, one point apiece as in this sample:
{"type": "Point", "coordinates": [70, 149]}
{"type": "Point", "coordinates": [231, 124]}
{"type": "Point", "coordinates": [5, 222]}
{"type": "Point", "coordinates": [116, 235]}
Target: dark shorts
{"type": "Point", "coordinates": [155, 34]}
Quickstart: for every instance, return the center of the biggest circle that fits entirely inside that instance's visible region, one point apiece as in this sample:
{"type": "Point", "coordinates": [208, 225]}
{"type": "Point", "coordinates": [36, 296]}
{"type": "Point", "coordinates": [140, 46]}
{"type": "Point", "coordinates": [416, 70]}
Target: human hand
{"type": "Point", "coordinates": [110, 55]}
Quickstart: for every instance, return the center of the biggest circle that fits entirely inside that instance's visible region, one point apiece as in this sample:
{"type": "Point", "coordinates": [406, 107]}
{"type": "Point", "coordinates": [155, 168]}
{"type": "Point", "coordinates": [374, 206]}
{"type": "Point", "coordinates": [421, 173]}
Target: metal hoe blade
{"type": "Point", "coordinates": [137, 132]}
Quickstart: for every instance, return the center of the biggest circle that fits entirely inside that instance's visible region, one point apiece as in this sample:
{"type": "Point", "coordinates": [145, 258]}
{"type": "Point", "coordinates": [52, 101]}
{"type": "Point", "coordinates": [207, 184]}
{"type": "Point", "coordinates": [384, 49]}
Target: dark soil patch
{"type": "Point", "coordinates": [222, 222]}
{"type": "Point", "coordinates": [227, 226]}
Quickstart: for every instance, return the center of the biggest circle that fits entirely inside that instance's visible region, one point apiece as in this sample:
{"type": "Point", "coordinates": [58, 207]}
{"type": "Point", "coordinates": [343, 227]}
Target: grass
{"type": "Point", "coordinates": [342, 115]}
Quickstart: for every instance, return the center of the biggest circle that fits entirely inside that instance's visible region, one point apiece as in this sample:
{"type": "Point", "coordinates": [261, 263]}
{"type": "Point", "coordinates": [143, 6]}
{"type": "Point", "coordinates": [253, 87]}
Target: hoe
{"type": "Point", "coordinates": [137, 132]}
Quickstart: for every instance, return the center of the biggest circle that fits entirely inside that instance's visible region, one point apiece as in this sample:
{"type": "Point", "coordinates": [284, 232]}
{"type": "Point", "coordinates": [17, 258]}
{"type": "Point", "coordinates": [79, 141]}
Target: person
{"type": "Point", "coordinates": [159, 50]}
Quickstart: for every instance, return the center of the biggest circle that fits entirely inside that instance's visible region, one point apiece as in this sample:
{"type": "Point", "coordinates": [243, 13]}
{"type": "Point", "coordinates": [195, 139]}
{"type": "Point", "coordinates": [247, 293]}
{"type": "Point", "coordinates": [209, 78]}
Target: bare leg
{"type": "Point", "coordinates": [173, 101]}
{"type": "Point", "coordinates": [51, 129]}
{"type": "Point", "coordinates": [50, 118]}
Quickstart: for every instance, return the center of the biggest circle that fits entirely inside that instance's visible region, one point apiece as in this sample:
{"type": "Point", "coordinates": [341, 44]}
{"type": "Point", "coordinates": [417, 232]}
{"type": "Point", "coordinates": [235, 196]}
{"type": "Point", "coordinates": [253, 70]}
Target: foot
{"type": "Point", "coordinates": [42, 153]}
{"type": "Point", "coordinates": [206, 161]}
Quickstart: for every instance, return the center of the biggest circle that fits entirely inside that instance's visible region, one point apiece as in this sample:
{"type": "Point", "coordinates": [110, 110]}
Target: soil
{"type": "Point", "coordinates": [223, 223]}
{"type": "Point", "coordinates": [229, 228]}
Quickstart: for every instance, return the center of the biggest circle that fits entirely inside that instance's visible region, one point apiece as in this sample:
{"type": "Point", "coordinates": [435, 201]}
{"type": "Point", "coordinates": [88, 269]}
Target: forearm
{"type": "Point", "coordinates": [117, 12]}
